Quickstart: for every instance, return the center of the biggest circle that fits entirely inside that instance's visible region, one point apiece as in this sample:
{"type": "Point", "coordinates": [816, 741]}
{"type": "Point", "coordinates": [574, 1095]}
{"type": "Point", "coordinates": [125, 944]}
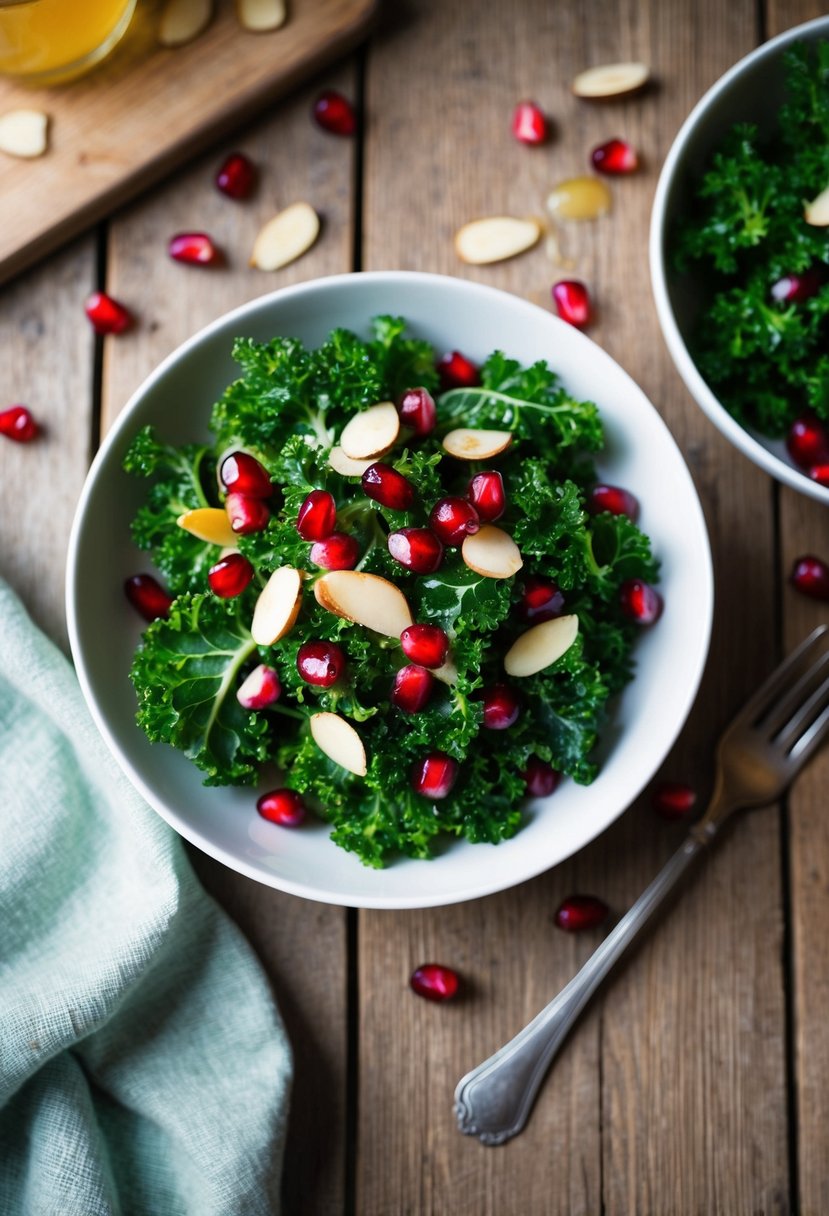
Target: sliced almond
{"type": "Point", "coordinates": [372, 432]}
{"type": "Point", "coordinates": [286, 237]}
{"type": "Point", "coordinates": [541, 645]}
{"type": "Point", "coordinates": [343, 464]}
{"type": "Point", "coordinates": [24, 133]}
{"type": "Point", "coordinates": [209, 524]}
{"type": "Point", "coordinates": [448, 673]}
{"type": "Point", "coordinates": [468, 444]}
{"type": "Point", "coordinates": [340, 742]}
{"type": "Point", "coordinates": [366, 599]}
{"type": "Point", "coordinates": [277, 607]}
{"type": "Point", "coordinates": [259, 16]}
{"type": "Point", "coordinates": [183, 20]}
{"type": "Point", "coordinates": [492, 552]}
{"type": "Point", "coordinates": [495, 238]}
{"type": "Point", "coordinates": [816, 212]}
{"type": "Point", "coordinates": [611, 80]}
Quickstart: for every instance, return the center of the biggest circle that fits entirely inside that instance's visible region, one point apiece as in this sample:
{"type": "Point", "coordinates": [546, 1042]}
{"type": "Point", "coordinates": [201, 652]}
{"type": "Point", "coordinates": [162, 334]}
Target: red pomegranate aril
{"type": "Point", "coordinates": [434, 775]}
{"type": "Point", "coordinates": [194, 248]}
{"type": "Point", "coordinates": [808, 441]}
{"type": "Point", "coordinates": [640, 602]}
{"type": "Point", "coordinates": [108, 315]}
{"type": "Point", "coordinates": [147, 596]}
{"type": "Point", "coordinates": [335, 113]}
{"type": "Point", "coordinates": [417, 549]}
{"type": "Point", "coordinates": [260, 689]}
{"type": "Point", "coordinates": [435, 982]}
{"type": "Point", "coordinates": [529, 125]}
{"type": "Point", "coordinates": [284, 807]}
{"type": "Point", "coordinates": [820, 474]}
{"type": "Point", "coordinates": [317, 516]}
{"type": "Point", "coordinates": [412, 688]}
{"type": "Point", "coordinates": [579, 912]}
{"type": "Point", "coordinates": [337, 552]}
{"type": "Point", "coordinates": [246, 514]}
{"type": "Point", "coordinates": [672, 800]}
{"type": "Point", "coordinates": [795, 288]}
{"type": "Point", "coordinates": [237, 176]}
{"type": "Point", "coordinates": [453, 519]}
{"type": "Point", "coordinates": [572, 302]}
{"type": "Point", "coordinates": [456, 371]}
{"type": "Point", "coordinates": [17, 423]}
{"type": "Point", "coordinates": [417, 410]}
{"type": "Point", "coordinates": [810, 576]}
{"type": "Point", "coordinates": [388, 487]}
{"type": "Point", "coordinates": [614, 157]}
{"type": "Point", "coordinates": [320, 663]}
{"type": "Point", "coordinates": [426, 645]}
{"type": "Point", "coordinates": [230, 576]}
{"type": "Point", "coordinates": [243, 473]}
{"type": "Point", "coordinates": [487, 495]}
{"type": "Point", "coordinates": [613, 499]}
{"type": "Point", "coordinates": [541, 778]}
{"type": "Point", "coordinates": [501, 707]}
{"type": "Point", "coordinates": [541, 600]}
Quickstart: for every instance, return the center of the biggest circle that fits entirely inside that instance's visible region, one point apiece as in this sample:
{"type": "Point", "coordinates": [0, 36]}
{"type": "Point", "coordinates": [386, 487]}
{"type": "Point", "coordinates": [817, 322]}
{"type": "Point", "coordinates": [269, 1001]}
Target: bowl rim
{"type": "Point", "coordinates": [728, 426]}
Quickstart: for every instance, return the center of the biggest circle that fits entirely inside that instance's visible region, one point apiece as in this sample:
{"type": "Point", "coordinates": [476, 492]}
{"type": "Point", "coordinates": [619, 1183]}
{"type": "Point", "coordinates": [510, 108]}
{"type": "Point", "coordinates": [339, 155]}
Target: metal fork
{"type": "Point", "coordinates": [759, 755]}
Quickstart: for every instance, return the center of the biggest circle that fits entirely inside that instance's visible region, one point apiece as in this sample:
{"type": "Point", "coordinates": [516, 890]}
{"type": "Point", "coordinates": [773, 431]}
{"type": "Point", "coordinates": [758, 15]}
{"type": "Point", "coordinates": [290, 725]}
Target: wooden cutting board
{"type": "Point", "coordinates": [147, 109]}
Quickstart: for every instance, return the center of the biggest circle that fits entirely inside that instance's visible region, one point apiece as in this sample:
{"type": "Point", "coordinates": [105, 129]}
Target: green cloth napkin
{"type": "Point", "coordinates": [143, 1065]}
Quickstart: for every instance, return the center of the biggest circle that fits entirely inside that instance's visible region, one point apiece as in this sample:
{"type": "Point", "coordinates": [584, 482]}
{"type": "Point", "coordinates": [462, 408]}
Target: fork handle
{"type": "Point", "coordinates": [494, 1100]}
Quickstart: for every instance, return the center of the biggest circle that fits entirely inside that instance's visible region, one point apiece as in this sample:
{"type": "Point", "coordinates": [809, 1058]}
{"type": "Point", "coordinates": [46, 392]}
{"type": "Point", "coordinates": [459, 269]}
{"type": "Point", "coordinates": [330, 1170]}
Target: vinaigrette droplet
{"type": "Point", "coordinates": [579, 198]}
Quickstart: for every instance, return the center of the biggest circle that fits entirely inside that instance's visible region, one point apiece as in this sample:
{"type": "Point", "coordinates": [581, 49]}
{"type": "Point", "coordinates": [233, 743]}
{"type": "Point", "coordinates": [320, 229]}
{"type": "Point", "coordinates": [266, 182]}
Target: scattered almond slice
{"type": "Point", "coordinates": [447, 673]}
{"type": "Point", "coordinates": [340, 742]}
{"type": "Point", "coordinates": [541, 645]}
{"type": "Point", "coordinates": [366, 599]}
{"type": "Point", "coordinates": [372, 432]}
{"type": "Point", "coordinates": [491, 552]}
{"type": "Point", "coordinates": [24, 133]}
{"type": "Point", "coordinates": [495, 238]}
{"type": "Point", "coordinates": [183, 20]}
{"type": "Point", "coordinates": [611, 80]}
{"type": "Point", "coordinates": [285, 237]}
{"type": "Point", "coordinates": [816, 212]}
{"type": "Point", "coordinates": [209, 524]}
{"type": "Point", "coordinates": [343, 464]}
{"type": "Point", "coordinates": [468, 444]}
{"type": "Point", "coordinates": [259, 16]}
{"type": "Point", "coordinates": [277, 607]}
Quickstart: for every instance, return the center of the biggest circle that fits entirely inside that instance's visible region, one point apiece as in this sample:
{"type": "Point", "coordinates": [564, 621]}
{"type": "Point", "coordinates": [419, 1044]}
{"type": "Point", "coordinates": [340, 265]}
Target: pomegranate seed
{"type": "Point", "coordinates": [456, 371]}
{"type": "Point", "coordinates": [284, 807]}
{"type": "Point", "coordinates": [614, 157]}
{"type": "Point", "coordinates": [337, 552]}
{"type": "Point", "coordinates": [434, 775]}
{"type": "Point", "coordinates": [580, 912]}
{"type": "Point", "coordinates": [412, 688]}
{"type": "Point", "coordinates": [529, 125]}
{"type": "Point", "coordinates": [194, 248]}
{"type": "Point", "coordinates": [388, 487]}
{"type": "Point", "coordinates": [572, 302]}
{"type": "Point", "coordinates": [541, 600]}
{"type": "Point", "coordinates": [242, 473]}
{"type": "Point", "coordinates": [810, 576]}
{"type": "Point", "coordinates": [320, 663]}
{"type": "Point", "coordinates": [230, 576]}
{"type": "Point", "coordinates": [501, 707]}
{"type": "Point", "coordinates": [107, 315]}
{"type": "Point", "coordinates": [260, 689]}
{"type": "Point", "coordinates": [147, 596]}
{"type": "Point", "coordinates": [541, 778]}
{"type": "Point", "coordinates": [820, 474]}
{"type": "Point", "coordinates": [246, 514]}
{"type": "Point", "coordinates": [417, 410]}
{"type": "Point", "coordinates": [426, 645]}
{"type": "Point", "coordinates": [486, 493]}
{"type": "Point", "coordinates": [435, 982]}
{"type": "Point", "coordinates": [672, 800]}
{"type": "Point", "coordinates": [808, 441]}
{"type": "Point", "coordinates": [453, 519]}
{"type": "Point", "coordinates": [17, 423]}
{"type": "Point", "coordinates": [613, 499]}
{"type": "Point", "coordinates": [335, 113]}
{"type": "Point", "coordinates": [417, 549]}
{"type": "Point", "coordinates": [795, 288]}
{"type": "Point", "coordinates": [640, 602]}
{"type": "Point", "coordinates": [237, 176]}
{"type": "Point", "coordinates": [317, 516]}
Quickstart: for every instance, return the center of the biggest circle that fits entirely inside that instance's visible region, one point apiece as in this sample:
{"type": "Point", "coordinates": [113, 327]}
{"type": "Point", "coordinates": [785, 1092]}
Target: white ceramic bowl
{"type": "Point", "coordinates": [641, 455]}
{"type": "Point", "coordinates": [751, 91]}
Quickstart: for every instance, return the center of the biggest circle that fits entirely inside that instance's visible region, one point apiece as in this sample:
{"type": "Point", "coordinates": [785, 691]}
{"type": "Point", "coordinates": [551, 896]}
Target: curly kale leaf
{"type": "Point", "coordinates": [405, 362]}
{"type": "Point", "coordinates": [618, 550]}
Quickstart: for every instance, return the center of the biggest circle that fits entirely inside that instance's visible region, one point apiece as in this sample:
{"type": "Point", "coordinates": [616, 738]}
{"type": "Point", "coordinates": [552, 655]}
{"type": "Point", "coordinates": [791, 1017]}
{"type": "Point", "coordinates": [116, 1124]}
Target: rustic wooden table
{"type": "Point", "coordinates": [699, 1081]}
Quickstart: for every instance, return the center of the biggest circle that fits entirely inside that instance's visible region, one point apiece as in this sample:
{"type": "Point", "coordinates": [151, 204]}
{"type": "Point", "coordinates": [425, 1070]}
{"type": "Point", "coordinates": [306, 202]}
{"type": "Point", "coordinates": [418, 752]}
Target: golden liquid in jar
{"type": "Point", "coordinates": [579, 198]}
{"type": "Point", "coordinates": [50, 40]}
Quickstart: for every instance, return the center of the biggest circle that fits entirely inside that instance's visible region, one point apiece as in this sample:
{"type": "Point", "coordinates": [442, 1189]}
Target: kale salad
{"type": "Point", "coordinates": [397, 594]}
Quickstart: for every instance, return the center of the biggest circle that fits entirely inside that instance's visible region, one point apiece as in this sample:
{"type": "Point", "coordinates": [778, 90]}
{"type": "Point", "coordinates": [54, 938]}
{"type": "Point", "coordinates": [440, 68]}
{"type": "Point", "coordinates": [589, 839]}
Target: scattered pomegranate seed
{"type": "Point", "coordinates": [672, 800]}
{"type": "Point", "coordinates": [453, 519]}
{"type": "Point", "coordinates": [435, 982]}
{"type": "Point", "coordinates": [501, 707]}
{"type": "Point", "coordinates": [108, 316]}
{"type": "Point", "coordinates": [417, 410]}
{"type": "Point", "coordinates": [579, 912]}
{"type": "Point", "coordinates": [284, 807]}
{"type": "Point", "coordinates": [320, 663]}
{"type": "Point", "coordinates": [237, 176]}
{"type": "Point", "coordinates": [808, 441]}
{"type": "Point", "coordinates": [230, 576]}
{"type": "Point", "coordinates": [810, 576]}
{"type": "Point", "coordinates": [487, 495]}
{"type": "Point", "coordinates": [529, 125]}
{"type": "Point", "coordinates": [456, 371]}
{"type": "Point", "coordinates": [317, 516]}
{"type": "Point", "coordinates": [335, 113]}
{"type": "Point", "coordinates": [17, 423]}
{"type": "Point", "coordinates": [194, 248]}
{"type": "Point", "coordinates": [615, 157]}
{"type": "Point", "coordinates": [795, 288]}
{"type": "Point", "coordinates": [613, 499]}
{"type": "Point", "coordinates": [541, 778]}
{"type": "Point", "coordinates": [147, 596]}
{"type": "Point", "coordinates": [246, 514]}
{"type": "Point", "coordinates": [337, 552]}
{"type": "Point", "coordinates": [434, 775]}
{"type": "Point", "coordinates": [541, 600]}
{"type": "Point", "coordinates": [572, 302]}
{"type": "Point", "coordinates": [640, 602]}
{"type": "Point", "coordinates": [417, 549]}
{"type": "Point", "coordinates": [426, 645]}
{"type": "Point", "coordinates": [388, 487]}
{"type": "Point", "coordinates": [820, 474]}
{"type": "Point", "coordinates": [260, 689]}
{"type": "Point", "coordinates": [242, 473]}
{"type": "Point", "coordinates": [412, 688]}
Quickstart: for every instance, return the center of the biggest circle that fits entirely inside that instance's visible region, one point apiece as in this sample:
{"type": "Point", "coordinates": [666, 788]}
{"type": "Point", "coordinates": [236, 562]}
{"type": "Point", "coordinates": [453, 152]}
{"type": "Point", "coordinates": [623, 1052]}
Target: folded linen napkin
{"type": "Point", "coordinates": [143, 1066]}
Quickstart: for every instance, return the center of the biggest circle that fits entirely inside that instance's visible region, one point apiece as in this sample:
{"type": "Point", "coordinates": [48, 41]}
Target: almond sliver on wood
{"type": "Point", "coordinates": [541, 645]}
{"type": "Point", "coordinates": [285, 237]}
{"type": "Point", "coordinates": [366, 599]}
{"type": "Point", "coordinates": [495, 238]}
{"type": "Point", "coordinates": [468, 444]}
{"type": "Point", "coordinates": [24, 133]}
{"type": "Point", "coordinates": [816, 212]}
{"type": "Point", "coordinates": [492, 552]}
{"type": "Point", "coordinates": [277, 607]}
{"type": "Point", "coordinates": [611, 80]}
{"type": "Point", "coordinates": [259, 16]}
{"type": "Point", "coordinates": [371, 432]}
{"type": "Point", "coordinates": [210, 524]}
{"type": "Point", "coordinates": [183, 20]}
{"type": "Point", "coordinates": [340, 742]}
